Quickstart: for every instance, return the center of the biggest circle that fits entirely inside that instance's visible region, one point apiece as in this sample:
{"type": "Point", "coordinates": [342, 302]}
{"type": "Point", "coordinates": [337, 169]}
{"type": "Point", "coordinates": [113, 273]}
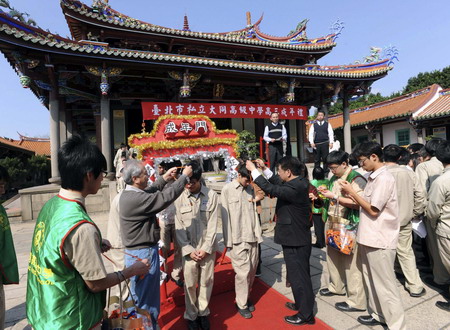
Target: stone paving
{"type": "Point", "coordinates": [420, 312]}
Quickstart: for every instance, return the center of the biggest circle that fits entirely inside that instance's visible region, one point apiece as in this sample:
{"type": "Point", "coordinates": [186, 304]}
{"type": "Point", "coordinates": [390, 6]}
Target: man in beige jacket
{"type": "Point", "coordinates": [411, 202]}
{"type": "Point", "coordinates": [196, 227]}
{"type": "Point", "coordinates": [438, 212]}
{"type": "Point", "coordinates": [427, 172]}
{"type": "Point", "coordinates": [241, 234]}
{"type": "Point", "coordinates": [344, 270]}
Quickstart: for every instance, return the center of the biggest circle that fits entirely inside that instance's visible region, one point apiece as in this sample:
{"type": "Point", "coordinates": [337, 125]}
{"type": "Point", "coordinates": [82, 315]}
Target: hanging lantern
{"type": "Point", "coordinates": [185, 91]}
{"type": "Point", "coordinates": [289, 97]}
{"type": "Point", "coordinates": [104, 85]}
{"type": "Point", "coordinates": [25, 81]}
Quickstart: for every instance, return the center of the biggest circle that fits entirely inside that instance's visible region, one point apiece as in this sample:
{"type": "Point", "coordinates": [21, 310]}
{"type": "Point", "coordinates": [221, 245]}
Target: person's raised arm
{"type": "Point", "coordinates": [137, 269]}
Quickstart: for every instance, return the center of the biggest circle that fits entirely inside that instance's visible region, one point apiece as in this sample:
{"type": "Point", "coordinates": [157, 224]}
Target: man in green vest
{"type": "Point", "coordinates": [67, 279]}
{"type": "Point", "coordinates": [8, 262]}
{"type": "Point", "coordinates": [344, 270]}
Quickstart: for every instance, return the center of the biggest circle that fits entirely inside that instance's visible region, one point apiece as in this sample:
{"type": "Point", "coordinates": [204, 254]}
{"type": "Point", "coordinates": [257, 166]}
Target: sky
{"type": "Point", "coordinates": [418, 29]}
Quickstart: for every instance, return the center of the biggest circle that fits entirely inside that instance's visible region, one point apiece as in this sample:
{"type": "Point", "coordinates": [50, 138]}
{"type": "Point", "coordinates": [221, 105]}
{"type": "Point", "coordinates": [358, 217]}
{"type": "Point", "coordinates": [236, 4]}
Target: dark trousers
{"type": "Point", "coordinates": [298, 275]}
{"type": "Point", "coordinates": [275, 154]}
{"type": "Point", "coordinates": [320, 155]}
{"type": "Point", "coordinates": [319, 229]}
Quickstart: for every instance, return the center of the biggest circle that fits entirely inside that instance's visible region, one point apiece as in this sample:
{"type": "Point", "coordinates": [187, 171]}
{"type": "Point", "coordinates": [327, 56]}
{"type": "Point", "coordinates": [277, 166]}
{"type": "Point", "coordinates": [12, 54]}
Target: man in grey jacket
{"type": "Point", "coordinates": [140, 230]}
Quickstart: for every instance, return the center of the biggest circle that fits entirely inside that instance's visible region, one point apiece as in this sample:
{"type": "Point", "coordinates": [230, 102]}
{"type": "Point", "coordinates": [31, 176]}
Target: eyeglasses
{"type": "Point", "coordinates": [333, 168]}
{"type": "Point", "coordinates": [362, 161]}
{"type": "Point", "coordinates": [191, 183]}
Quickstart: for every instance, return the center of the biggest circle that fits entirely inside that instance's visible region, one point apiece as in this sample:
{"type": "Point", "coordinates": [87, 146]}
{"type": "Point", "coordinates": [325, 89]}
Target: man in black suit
{"type": "Point", "coordinates": [292, 230]}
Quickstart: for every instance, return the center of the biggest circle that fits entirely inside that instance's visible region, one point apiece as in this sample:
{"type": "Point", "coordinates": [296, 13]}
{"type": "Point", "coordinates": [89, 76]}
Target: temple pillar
{"type": "Point", "coordinates": [62, 124]}
{"type": "Point", "coordinates": [301, 139]}
{"type": "Point", "coordinates": [54, 136]}
{"type": "Point", "coordinates": [69, 123]}
{"type": "Point", "coordinates": [347, 127]}
{"type": "Point", "coordinates": [105, 115]}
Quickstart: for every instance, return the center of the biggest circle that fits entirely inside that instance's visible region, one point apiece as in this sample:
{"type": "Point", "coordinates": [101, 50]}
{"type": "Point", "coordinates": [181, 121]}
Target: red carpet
{"type": "Point", "coordinates": [269, 304]}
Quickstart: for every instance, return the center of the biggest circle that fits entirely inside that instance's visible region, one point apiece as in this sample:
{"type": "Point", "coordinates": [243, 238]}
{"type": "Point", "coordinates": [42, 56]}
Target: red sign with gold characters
{"type": "Point", "coordinates": [153, 110]}
{"type": "Point", "coordinates": [183, 136]}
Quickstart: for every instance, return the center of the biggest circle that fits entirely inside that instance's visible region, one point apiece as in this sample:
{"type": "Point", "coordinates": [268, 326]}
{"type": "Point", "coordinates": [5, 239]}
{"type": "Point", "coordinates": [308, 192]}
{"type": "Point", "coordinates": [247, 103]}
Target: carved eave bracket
{"type": "Point", "coordinates": [104, 73]}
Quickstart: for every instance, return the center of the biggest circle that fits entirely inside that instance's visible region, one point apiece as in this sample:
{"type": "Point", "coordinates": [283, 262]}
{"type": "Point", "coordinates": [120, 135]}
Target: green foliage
{"type": "Point", "coordinates": [362, 102]}
{"type": "Point", "coordinates": [38, 168]}
{"type": "Point", "coordinates": [26, 173]}
{"type": "Point", "coordinates": [425, 79]}
{"type": "Point", "coordinates": [16, 169]}
{"type": "Point", "coordinates": [247, 146]}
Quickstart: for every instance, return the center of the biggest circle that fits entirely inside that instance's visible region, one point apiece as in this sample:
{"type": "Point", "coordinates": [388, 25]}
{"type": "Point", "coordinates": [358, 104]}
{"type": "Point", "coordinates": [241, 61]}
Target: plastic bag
{"type": "Point", "coordinates": [340, 237]}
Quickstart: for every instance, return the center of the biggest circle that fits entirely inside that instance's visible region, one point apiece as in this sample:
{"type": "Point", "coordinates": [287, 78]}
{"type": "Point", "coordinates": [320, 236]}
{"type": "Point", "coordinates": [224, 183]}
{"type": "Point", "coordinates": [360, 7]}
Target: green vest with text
{"type": "Point", "coordinates": [317, 184]}
{"type": "Point", "coordinates": [57, 296]}
{"type": "Point", "coordinates": [352, 214]}
{"type": "Point", "coordinates": [8, 260]}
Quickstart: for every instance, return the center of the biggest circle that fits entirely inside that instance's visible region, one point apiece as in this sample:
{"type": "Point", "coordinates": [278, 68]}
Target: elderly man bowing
{"type": "Point", "coordinates": [140, 229]}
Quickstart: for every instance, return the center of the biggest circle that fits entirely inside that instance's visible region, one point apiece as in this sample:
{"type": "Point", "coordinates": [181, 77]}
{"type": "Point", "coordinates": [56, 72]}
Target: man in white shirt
{"type": "Point", "coordinates": [274, 135]}
{"type": "Point", "coordinates": [321, 137]}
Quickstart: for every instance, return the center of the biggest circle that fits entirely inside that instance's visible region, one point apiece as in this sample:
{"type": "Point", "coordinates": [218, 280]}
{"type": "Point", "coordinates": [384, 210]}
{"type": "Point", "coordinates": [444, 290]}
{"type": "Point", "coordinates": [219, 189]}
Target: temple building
{"type": "Point", "coordinates": [98, 81]}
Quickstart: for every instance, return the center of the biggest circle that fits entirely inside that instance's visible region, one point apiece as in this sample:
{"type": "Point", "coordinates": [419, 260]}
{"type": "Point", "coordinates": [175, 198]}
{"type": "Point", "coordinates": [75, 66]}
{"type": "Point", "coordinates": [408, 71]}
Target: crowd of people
{"type": "Point", "coordinates": [382, 196]}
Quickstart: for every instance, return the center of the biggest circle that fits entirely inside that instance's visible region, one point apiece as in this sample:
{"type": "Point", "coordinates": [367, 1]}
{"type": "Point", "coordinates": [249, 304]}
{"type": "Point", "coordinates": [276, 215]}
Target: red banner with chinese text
{"type": "Point", "coordinates": [152, 110]}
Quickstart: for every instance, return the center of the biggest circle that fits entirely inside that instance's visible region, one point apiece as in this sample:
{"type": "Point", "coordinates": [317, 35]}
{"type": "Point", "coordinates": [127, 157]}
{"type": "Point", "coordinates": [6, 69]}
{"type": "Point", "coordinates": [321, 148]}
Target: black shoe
{"type": "Point", "coordinates": [258, 272]}
{"type": "Point", "coordinates": [368, 320]}
{"type": "Point", "coordinates": [250, 306]}
{"type": "Point", "coordinates": [193, 325]}
{"type": "Point", "coordinates": [245, 313]}
{"type": "Point", "coordinates": [291, 306]}
{"type": "Point", "coordinates": [297, 320]}
{"type": "Point", "coordinates": [420, 294]}
{"type": "Point", "coordinates": [178, 282]}
{"type": "Point", "coordinates": [344, 307]}
{"type": "Point", "coordinates": [443, 305]}
{"type": "Point", "coordinates": [204, 322]}
{"type": "Point", "coordinates": [327, 293]}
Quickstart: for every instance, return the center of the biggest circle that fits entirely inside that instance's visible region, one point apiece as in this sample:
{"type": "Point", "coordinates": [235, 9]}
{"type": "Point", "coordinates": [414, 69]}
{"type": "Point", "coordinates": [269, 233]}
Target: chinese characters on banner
{"type": "Point", "coordinates": [182, 128]}
{"type": "Point", "coordinates": [152, 110]}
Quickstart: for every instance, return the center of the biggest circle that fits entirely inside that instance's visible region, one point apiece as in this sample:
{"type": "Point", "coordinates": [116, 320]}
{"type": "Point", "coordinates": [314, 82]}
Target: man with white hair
{"type": "Point", "coordinates": [140, 230]}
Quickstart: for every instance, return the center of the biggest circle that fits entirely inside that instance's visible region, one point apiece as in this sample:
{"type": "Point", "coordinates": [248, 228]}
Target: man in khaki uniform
{"type": "Point", "coordinates": [241, 234]}
{"type": "Point", "coordinates": [166, 219]}
{"type": "Point", "coordinates": [344, 270]}
{"type": "Point", "coordinates": [427, 172]}
{"type": "Point", "coordinates": [377, 238]}
{"type": "Point", "coordinates": [196, 228]}
{"type": "Point", "coordinates": [411, 202]}
{"type": "Point", "coordinates": [114, 236]}
{"type": "Point", "coordinates": [438, 212]}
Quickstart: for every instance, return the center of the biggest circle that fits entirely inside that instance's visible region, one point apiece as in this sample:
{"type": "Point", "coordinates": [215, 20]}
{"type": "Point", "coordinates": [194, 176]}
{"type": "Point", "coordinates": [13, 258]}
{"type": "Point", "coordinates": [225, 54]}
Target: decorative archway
{"type": "Point", "coordinates": [186, 138]}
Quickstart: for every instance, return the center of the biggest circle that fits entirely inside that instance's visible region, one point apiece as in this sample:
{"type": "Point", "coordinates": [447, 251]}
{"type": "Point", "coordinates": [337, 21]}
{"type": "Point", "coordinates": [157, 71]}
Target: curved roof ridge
{"type": "Point", "coordinates": [392, 109]}
{"type": "Point", "coordinates": [82, 46]}
{"type": "Point", "coordinates": [245, 35]}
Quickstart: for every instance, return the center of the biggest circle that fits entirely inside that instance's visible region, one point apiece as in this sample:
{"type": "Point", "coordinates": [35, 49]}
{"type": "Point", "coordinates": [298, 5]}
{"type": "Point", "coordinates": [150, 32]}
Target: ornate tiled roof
{"type": "Point", "coordinates": [249, 35]}
{"type": "Point", "coordinates": [40, 38]}
{"type": "Point", "coordinates": [397, 107]}
{"type": "Point", "coordinates": [29, 145]}
{"type": "Point", "coordinates": [439, 108]}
